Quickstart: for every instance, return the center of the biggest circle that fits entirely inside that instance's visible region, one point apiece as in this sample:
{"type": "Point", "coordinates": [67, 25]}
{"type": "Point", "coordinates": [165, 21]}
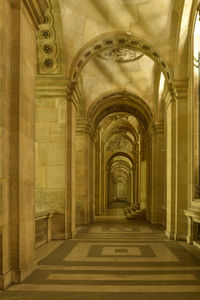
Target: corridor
{"type": "Point", "coordinates": [114, 258]}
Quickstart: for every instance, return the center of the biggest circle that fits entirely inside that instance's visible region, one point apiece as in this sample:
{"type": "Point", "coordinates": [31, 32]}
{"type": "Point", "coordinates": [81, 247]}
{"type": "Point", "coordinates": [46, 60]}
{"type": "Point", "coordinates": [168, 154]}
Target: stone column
{"type": "Point", "coordinates": [70, 205]}
{"type": "Point", "coordinates": [157, 172]}
{"type": "Point", "coordinates": [131, 188]}
{"type": "Point", "coordinates": [181, 160]}
{"type": "Point", "coordinates": [84, 166]}
{"type": "Point", "coordinates": [149, 182]}
{"type": "Point", "coordinates": [170, 116]}
{"type": "Point", "coordinates": [143, 184]}
{"type": "Point", "coordinates": [97, 180]}
{"type": "Point", "coordinates": [22, 145]}
{"type": "Point", "coordinates": [177, 163]}
{"type": "Point", "coordinates": [5, 63]}
{"type": "Point", "coordinates": [136, 183]}
{"type": "Point", "coordinates": [103, 182]}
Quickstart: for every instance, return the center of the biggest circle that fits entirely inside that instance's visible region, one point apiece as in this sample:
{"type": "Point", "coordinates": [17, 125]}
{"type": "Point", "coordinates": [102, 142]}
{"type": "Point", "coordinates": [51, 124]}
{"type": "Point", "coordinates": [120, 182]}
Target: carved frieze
{"type": "Point", "coordinates": [119, 143]}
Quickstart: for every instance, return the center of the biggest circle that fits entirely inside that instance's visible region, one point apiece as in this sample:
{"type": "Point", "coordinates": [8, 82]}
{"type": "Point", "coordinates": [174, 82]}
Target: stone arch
{"type": "Point", "coordinates": [120, 101]}
{"type": "Point", "coordinates": [113, 40]}
{"type": "Point", "coordinates": [127, 155]}
{"type": "Point", "coordinates": [123, 125]}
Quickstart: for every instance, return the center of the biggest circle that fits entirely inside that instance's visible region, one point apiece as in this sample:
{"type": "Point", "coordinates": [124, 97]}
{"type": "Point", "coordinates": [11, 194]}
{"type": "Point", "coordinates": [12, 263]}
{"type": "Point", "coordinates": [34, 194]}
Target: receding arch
{"type": "Point", "coordinates": [120, 101]}
{"type": "Point", "coordinates": [120, 154]}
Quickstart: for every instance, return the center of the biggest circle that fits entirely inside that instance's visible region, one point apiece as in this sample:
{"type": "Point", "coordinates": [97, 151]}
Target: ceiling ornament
{"type": "Point", "coordinates": [120, 55]}
{"type": "Point", "coordinates": [119, 143]}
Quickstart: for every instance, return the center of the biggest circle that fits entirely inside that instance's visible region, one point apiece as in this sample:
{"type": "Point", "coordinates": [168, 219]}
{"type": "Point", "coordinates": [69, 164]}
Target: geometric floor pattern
{"type": "Point", "coordinates": [118, 259]}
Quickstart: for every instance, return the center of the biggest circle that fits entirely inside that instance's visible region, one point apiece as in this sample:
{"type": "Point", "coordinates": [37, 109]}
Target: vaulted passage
{"type": "Point", "coordinates": [99, 149]}
{"type": "Point", "coordinates": [114, 259]}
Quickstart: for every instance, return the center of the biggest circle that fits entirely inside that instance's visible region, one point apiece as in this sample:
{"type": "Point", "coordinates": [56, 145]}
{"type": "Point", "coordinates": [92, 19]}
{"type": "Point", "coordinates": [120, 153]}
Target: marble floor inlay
{"type": "Point", "coordinates": [114, 258]}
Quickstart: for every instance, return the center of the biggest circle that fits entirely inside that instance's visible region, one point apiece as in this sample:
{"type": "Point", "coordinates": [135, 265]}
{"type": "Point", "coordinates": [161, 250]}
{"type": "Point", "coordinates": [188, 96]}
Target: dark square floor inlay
{"type": "Point", "coordinates": [117, 250]}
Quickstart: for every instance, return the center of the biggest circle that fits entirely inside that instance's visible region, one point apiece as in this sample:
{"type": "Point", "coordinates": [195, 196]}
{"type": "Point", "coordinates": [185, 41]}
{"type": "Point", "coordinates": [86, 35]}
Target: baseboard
{"type": "Point", "coordinates": [58, 236]}
{"type": "Point", "coordinates": [19, 275]}
{"type": "Point", "coordinates": [72, 234]}
{"type": "Point", "coordinates": [5, 280]}
{"type": "Point", "coordinates": [180, 237]}
{"type": "Point", "coordinates": [170, 235]}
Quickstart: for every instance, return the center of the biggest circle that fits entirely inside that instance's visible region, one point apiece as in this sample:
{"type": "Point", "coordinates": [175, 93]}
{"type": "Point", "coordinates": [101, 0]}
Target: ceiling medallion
{"type": "Point", "coordinates": [120, 54]}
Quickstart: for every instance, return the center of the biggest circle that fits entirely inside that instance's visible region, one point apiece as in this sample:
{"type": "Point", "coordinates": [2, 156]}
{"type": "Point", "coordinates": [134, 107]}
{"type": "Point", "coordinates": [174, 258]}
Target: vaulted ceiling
{"type": "Point", "coordinates": [155, 22]}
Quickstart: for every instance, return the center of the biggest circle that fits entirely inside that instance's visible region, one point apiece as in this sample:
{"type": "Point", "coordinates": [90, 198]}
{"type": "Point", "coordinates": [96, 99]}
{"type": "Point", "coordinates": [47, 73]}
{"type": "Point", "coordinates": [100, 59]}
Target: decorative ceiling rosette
{"type": "Point", "coordinates": [120, 55]}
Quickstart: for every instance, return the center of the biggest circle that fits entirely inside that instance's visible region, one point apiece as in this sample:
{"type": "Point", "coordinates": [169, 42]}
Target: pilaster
{"type": "Point", "coordinates": [71, 163]}
{"type": "Point", "coordinates": [156, 132]}
{"type": "Point", "coordinates": [177, 162]}
{"type": "Point", "coordinates": [84, 171]}
{"type": "Point", "coordinates": [181, 159]}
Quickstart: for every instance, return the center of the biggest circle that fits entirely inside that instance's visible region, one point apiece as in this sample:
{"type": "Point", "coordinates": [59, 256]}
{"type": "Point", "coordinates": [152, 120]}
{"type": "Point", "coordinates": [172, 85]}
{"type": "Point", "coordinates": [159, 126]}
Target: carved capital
{"type": "Point", "coordinates": [156, 128]}
{"type": "Point", "coordinates": [72, 94]}
{"type": "Point", "coordinates": [181, 89]}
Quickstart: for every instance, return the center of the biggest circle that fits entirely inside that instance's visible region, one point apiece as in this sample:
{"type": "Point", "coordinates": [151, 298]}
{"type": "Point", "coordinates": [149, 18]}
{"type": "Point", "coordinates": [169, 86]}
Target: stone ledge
{"type": "Point", "coordinates": [194, 214]}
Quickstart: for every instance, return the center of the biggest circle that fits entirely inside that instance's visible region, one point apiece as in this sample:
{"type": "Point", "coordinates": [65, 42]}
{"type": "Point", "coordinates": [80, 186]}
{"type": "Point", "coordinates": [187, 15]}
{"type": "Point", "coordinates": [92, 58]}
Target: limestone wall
{"type": "Point", "coordinates": [50, 184]}
{"type": "Point", "coordinates": [50, 155]}
{"type": "Point", "coordinates": [17, 135]}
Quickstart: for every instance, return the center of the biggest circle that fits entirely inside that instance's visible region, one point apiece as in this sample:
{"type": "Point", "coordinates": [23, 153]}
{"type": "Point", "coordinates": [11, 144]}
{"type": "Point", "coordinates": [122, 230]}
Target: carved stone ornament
{"type": "Point", "coordinates": [119, 143]}
{"type": "Point", "coordinates": [120, 55]}
{"type": "Point", "coordinates": [120, 47]}
{"type": "Point", "coordinates": [48, 41]}
{"type": "Point", "coordinates": [36, 10]}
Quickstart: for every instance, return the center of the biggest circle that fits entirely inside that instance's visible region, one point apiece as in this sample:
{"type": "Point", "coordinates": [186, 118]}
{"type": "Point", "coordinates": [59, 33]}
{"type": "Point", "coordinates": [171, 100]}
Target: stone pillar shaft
{"type": "Point", "coordinates": [84, 173]}
{"type": "Point", "coordinates": [70, 216]}
{"type": "Point", "coordinates": [157, 173]}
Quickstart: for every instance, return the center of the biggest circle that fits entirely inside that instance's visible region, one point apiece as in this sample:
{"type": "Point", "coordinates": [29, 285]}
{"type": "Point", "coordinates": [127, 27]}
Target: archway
{"type": "Point", "coordinates": [120, 124]}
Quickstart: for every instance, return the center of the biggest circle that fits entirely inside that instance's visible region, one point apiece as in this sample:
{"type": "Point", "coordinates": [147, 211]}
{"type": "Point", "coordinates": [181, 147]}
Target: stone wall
{"type": "Point", "coordinates": [50, 184]}
{"type": "Point", "coordinates": [17, 140]}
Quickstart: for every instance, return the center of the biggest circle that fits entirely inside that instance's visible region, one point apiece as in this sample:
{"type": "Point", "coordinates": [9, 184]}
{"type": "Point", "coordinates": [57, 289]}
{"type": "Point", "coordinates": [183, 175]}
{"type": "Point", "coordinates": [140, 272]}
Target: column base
{"type": "Point", "coordinates": [19, 275]}
{"type": "Point", "coordinates": [72, 234]}
{"type": "Point", "coordinates": [170, 235]}
{"type": "Point", "coordinates": [5, 280]}
{"type": "Point", "coordinates": [189, 239]}
{"type": "Point", "coordinates": [180, 237]}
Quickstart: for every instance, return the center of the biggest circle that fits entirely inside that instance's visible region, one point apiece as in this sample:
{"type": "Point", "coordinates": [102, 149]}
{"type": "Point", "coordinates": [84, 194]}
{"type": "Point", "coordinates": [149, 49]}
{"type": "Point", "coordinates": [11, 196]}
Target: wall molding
{"type": "Point", "coordinates": [36, 10]}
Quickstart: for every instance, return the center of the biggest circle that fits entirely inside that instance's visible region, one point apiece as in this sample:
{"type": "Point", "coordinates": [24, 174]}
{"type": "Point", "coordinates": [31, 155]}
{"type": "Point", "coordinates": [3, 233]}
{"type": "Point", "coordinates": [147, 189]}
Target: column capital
{"type": "Point", "coordinates": [57, 86]}
{"type": "Point", "coordinates": [181, 87]}
{"type": "Point", "coordinates": [72, 95]}
{"type": "Point", "coordinates": [82, 126]}
{"type": "Point", "coordinates": [156, 127]}
{"type": "Point", "coordinates": [178, 90]}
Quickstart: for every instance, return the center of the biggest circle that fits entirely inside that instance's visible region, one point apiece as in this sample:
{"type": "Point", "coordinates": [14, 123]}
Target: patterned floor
{"type": "Point", "coordinates": [114, 259]}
